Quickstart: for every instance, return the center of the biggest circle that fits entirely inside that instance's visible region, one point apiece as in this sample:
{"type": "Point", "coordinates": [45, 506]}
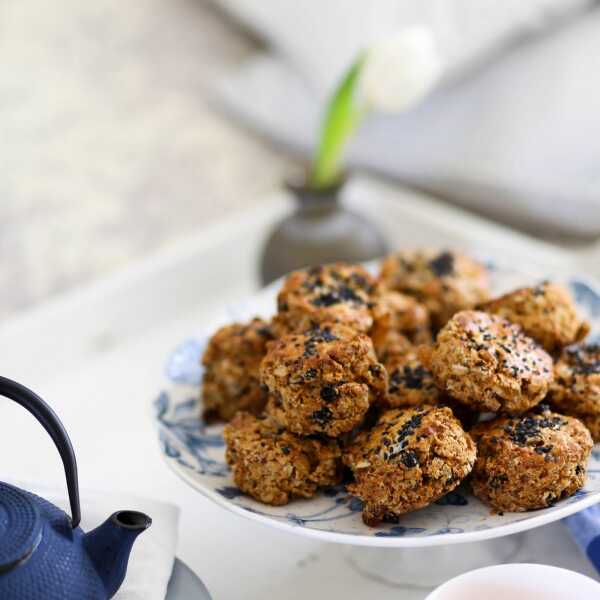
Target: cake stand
{"type": "Point", "coordinates": [455, 534]}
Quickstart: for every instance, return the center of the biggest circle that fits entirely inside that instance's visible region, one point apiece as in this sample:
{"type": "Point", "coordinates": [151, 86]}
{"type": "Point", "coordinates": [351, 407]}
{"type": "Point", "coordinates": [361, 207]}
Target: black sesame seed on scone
{"type": "Point", "coordinates": [530, 461]}
{"type": "Point", "coordinates": [273, 465]}
{"type": "Point", "coordinates": [410, 458]}
{"type": "Point", "coordinates": [231, 363]}
{"type": "Point", "coordinates": [337, 292]}
{"type": "Point", "coordinates": [444, 281]}
{"type": "Point", "coordinates": [546, 312]}
{"type": "Point", "coordinates": [323, 380]}
{"type": "Point", "coordinates": [489, 364]}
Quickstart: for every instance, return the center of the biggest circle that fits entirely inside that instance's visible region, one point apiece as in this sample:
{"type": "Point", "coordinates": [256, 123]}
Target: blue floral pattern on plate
{"type": "Point", "coordinates": [196, 451]}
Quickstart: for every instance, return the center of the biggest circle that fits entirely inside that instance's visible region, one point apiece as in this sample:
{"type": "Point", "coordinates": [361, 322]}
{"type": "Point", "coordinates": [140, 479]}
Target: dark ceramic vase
{"type": "Point", "coordinates": [320, 230]}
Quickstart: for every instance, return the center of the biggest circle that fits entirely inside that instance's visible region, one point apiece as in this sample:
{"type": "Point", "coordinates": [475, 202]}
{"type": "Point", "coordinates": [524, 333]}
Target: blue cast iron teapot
{"type": "Point", "coordinates": [44, 554]}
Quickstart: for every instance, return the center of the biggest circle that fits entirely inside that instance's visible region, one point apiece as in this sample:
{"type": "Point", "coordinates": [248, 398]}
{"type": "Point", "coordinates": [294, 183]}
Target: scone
{"type": "Point", "coordinates": [409, 459]}
{"type": "Point", "coordinates": [444, 281]}
{"type": "Point", "coordinates": [323, 380]}
{"type": "Point", "coordinates": [399, 321]}
{"type": "Point", "coordinates": [337, 292]}
{"type": "Point", "coordinates": [592, 422]}
{"type": "Point", "coordinates": [231, 377]}
{"type": "Point", "coordinates": [576, 387]}
{"type": "Point", "coordinates": [545, 312]}
{"type": "Point", "coordinates": [489, 364]}
{"type": "Point", "coordinates": [529, 461]}
{"type": "Point", "coordinates": [410, 383]}
{"type": "Point", "coordinates": [273, 465]}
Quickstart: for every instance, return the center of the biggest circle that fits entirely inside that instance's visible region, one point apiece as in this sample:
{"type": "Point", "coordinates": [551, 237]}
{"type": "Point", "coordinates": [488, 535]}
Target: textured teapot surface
{"type": "Point", "coordinates": [56, 566]}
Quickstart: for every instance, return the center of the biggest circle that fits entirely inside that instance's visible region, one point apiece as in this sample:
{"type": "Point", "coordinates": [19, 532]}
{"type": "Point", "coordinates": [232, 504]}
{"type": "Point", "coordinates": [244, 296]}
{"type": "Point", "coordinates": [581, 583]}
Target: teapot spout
{"type": "Point", "coordinates": [109, 546]}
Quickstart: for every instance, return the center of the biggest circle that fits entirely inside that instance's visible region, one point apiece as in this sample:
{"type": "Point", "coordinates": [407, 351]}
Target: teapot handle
{"type": "Point", "coordinates": [51, 423]}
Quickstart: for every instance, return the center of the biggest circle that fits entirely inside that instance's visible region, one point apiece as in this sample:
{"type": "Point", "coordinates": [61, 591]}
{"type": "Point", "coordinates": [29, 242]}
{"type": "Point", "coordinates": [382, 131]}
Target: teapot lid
{"type": "Point", "coordinates": [20, 526]}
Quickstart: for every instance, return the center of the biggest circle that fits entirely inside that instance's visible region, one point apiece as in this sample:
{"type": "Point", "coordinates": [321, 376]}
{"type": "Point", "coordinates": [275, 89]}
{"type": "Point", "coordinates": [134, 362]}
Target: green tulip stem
{"type": "Point", "coordinates": [342, 118]}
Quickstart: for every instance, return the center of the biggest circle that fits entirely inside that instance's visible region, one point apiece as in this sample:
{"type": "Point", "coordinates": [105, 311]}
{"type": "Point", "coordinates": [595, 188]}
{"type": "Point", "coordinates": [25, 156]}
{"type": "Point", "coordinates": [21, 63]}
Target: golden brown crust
{"type": "Point", "coordinates": [546, 312]}
{"type": "Point", "coordinates": [232, 361]}
{"type": "Point", "coordinates": [273, 465]}
{"type": "Point", "coordinates": [408, 460]}
{"type": "Point", "coordinates": [338, 292]}
{"type": "Point", "coordinates": [530, 461]}
{"type": "Point", "coordinates": [444, 281]}
{"type": "Point", "coordinates": [488, 364]}
{"type": "Point", "coordinates": [323, 380]}
{"type": "Point", "coordinates": [399, 321]}
{"type": "Point", "coordinates": [576, 387]}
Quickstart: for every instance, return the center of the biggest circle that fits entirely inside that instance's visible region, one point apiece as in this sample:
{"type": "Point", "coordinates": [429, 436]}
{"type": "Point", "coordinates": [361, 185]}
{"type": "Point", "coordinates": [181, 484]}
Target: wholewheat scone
{"type": "Point", "coordinates": [592, 423]}
{"type": "Point", "coordinates": [444, 281]}
{"type": "Point", "coordinates": [410, 383]}
{"type": "Point", "coordinates": [411, 458]}
{"type": "Point", "coordinates": [530, 461]}
{"type": "Point", "coordinates": [576, 387]}
{"type": "Point", "coordinates": [231, 369]}
{"type": "Point", "coordinates": [489, 364]}
{"type": "Point", "coordinates": [399, 321]}
{"type": "Point", "coordinates": [546, 312]}
{"type": "Point", "coordinates": [323, 380]}
{"type": "Point", "coordinates": [273, 465]}
{"type": "Point", "coordinates": [338, 292]}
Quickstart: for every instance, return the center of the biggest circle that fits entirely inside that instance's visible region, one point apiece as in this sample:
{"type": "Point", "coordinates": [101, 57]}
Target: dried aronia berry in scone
{"type": "Point", "coordinates": [323, 380]}
{"type": "Point", "coordinates": [411, 458]}
{"type": "Point", "coordinates": [546, 312]}
{"type": "Point", "coordinates": [530, 461]}
{"type": "Point", "coordinates": [273, 465]}
{"type": "Point", "coordinates": [489, 364]}
{"type": "Point", "coordinates": [231, 362]}
{"type": "Point", "coordinates": [444, 281]}
{"type": "Point", "coordinates": [398, 321]}
{"type": "Point", "coordinates": [338, 292]}
{"type": "Point", "coordinates": [576, 387]}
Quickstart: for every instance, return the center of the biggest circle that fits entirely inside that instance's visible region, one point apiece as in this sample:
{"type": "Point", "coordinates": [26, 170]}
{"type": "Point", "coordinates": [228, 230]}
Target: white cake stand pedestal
{"type": "Point", "coordinates": [425, 568]}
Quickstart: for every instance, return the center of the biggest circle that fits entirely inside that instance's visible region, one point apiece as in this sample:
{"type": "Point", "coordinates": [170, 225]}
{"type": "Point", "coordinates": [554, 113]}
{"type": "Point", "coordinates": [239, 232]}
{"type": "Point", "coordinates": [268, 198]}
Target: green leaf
{"type": "Point", "coordinates": [341, 119]}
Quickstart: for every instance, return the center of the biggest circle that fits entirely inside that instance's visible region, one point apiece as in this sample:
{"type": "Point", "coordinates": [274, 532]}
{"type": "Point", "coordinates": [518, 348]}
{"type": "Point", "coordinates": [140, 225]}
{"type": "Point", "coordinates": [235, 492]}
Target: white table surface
{"type": "Point", "coordinates": [97, 356]}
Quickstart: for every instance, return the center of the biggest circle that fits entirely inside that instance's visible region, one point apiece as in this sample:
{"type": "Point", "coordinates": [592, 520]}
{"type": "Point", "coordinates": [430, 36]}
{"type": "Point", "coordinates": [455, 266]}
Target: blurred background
{"type": "Point", "coordinates": [127, 125]}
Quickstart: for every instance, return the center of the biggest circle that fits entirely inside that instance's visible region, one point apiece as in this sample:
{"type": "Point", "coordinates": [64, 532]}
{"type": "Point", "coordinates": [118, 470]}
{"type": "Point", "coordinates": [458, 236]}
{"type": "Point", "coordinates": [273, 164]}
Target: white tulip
{"type": "Point", "coordinates": [399, 71]}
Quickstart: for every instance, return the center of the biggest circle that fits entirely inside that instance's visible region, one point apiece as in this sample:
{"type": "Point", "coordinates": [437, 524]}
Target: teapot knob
{"type": "Point", "coordinates": [51, 423]}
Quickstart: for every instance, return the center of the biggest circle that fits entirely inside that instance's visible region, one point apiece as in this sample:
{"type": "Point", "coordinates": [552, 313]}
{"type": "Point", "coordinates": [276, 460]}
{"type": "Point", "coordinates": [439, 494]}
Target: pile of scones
{"type": "Point", "coordinates": [404, 385]}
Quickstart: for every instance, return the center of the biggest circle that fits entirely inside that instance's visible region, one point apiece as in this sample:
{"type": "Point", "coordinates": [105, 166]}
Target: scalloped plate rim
{"type": "Point", "coordinates": [391, 541]}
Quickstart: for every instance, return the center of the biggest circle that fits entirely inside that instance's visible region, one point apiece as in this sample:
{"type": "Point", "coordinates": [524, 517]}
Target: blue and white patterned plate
{"type": "Point", "coordinates": [196, 452]}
